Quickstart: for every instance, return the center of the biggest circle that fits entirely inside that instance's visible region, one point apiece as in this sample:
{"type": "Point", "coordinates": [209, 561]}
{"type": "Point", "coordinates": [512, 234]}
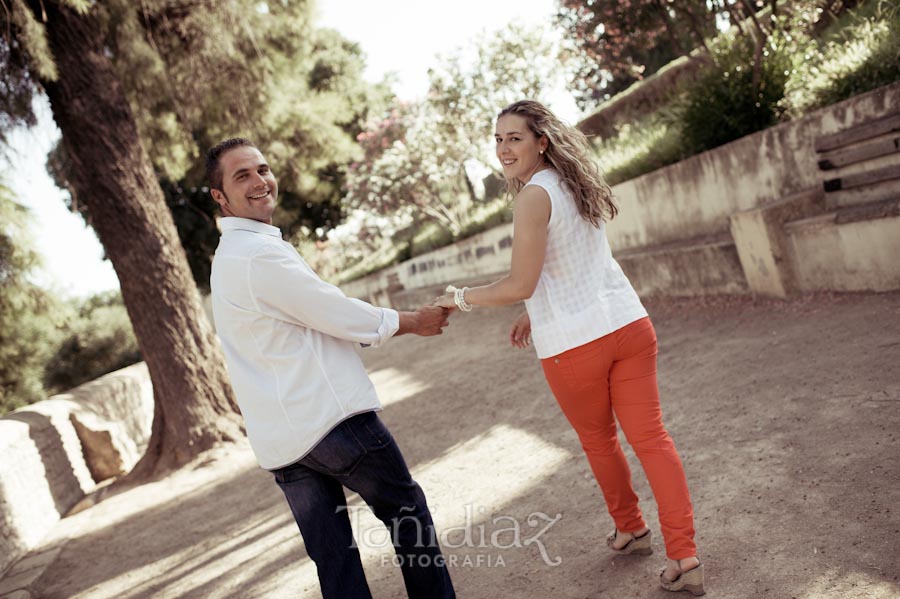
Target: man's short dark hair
{"type": "Point", "coordinates": [214, 159]}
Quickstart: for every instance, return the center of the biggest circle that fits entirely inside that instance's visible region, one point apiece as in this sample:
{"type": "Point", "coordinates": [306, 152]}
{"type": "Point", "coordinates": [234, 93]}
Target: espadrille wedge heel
{"type": "Point", "coordinates": [636, 546]}
{"type": "Point", "coordinates": [690, 581]}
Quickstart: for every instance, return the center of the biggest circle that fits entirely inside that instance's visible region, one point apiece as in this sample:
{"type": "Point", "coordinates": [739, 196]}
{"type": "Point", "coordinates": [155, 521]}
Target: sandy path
{"type": "Point", "coordinates": [786, 416]}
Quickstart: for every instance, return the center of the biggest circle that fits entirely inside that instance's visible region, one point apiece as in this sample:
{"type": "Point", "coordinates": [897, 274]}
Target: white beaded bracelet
{"type": "Point", "coordinates": [459, 298]}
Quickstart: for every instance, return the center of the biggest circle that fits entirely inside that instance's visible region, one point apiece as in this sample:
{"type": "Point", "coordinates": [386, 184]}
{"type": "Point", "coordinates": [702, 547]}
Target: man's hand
{"type": "Point", "coordinates": [520, 333]}
{"type": "Point", "coordinates": [426, 321]}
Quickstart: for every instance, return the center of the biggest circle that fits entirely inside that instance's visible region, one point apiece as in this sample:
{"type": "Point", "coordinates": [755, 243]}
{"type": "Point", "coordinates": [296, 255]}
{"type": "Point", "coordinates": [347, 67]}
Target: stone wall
{"type": "Point", "coordinates": [687, 229]}
{"type": "Point", "coordinates": [697, 196]}
{"type": "Point", "coordinates": [58, 450]}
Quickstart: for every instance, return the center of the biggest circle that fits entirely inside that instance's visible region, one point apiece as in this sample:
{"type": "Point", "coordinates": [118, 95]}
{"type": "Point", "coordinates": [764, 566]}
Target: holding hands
{"type": "Point", "coordinates": [445, 301]}
{"type": "Point", "coordinates": [430, 320]}
{"type": "Point", "coordinates": [454, 299]}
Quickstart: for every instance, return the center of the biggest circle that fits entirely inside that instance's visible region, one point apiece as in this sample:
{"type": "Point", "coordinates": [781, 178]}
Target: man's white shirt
{"type": "Point", "coordinates": [290, 341]}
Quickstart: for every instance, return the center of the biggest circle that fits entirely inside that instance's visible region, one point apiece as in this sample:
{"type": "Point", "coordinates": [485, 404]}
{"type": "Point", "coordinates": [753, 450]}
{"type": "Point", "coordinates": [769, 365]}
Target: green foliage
{"type": "Point", "coordinates": [624, 41]}
{"type": "Point", "coordinates": [48, 345]}
{"type": "Point", "coordinates": [194, 213]}
{"type": "Point", "coordinates": [98, 339]}
{"type": "Point", "coordinates": [486, 216]}
{"type": "Point", "coordinates": [29, 316]}
{"type": "Point", "coordinates": [424, 163]}
{"type": "Point", "coordinates": [731, 100]}
{"type": "Point", "coordinates": [259, 70]}
{"type": "Point", "coordinates": [857, 55]}
{"type": "Point", "coordinates": [420, 182]}
{"type": "Point", "coordinates": [27, 340]}
{"type": "Point", "coordinates": [640, 147]}
{"type": "Point", "coordinates": [16, 88]}
{"type": "Point", "coordinates": [31, 35]}
{"type": "Point", "coordinates": [859, 51]}
{"type": "Point", "coordinates": [423, 172]}
{"type": "Point", "coordinates": [829, 53]}
{"type": "Point", "coordinates": [195, 73]}
{"type": "Point", "coordinates": [466, 94]}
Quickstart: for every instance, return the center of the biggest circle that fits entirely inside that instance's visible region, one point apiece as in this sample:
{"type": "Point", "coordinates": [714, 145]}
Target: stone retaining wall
{"type": "Point", "coordinates": [56, 451]}
{"type": "Point", "coordinates": [668, 217]}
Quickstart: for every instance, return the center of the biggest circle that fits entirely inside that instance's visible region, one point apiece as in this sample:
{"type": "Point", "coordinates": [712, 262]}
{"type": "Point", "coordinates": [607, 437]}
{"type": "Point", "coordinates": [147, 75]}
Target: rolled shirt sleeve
{"type": "Point", "coordinates": [288, 289]}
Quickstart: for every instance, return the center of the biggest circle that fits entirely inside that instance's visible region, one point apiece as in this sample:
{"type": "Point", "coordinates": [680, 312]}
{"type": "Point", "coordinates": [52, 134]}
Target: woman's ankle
{"type": "Point", "coordinates": [634, 533]}
{"type": "Point", "coordinates": [688, 563]}
{"type": "Point", "coordinates": [622, 538]}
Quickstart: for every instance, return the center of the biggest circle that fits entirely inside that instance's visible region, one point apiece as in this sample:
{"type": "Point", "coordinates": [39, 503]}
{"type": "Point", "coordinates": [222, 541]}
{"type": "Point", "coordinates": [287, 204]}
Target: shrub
{"type": "Point", "coordinates": [486, 216]}
{"type": "Point", "coordinates": [29, 335]}
{"type": "Point", "coordinates": [854, 58]}
{"type": "Point", "coordinates": [641, 147]}
{"type": "Point", "coordinates": [724, 104]}
{"type": "Point", "coordinates": [29, 316]}
{"type": "Point", "coordinates": [98, 340]}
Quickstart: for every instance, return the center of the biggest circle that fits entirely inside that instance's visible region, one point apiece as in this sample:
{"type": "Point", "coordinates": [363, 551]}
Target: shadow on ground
{"type": "Point", "coordinates": [785, 413]}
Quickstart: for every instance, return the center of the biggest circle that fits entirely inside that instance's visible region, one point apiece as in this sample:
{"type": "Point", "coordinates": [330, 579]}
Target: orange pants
{"type": "Point", "coordinates": [614, 378]}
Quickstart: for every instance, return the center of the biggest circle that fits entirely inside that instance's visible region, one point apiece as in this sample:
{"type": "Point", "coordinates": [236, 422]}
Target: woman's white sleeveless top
{"type": "Point", "coordinates": [582, 293]}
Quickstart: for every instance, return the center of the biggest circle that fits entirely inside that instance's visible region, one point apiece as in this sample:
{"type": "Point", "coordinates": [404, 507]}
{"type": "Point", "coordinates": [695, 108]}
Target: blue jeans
{"type": "Point", "coordinates": [361, 454]}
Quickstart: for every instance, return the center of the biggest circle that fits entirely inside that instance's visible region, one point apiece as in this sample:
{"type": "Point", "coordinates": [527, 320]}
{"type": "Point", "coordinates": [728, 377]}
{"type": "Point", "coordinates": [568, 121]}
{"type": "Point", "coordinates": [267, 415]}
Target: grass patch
{"type": "Point", "coordinates": [857, 54]}
{"type": "Point", "coordinates": [640, 147]}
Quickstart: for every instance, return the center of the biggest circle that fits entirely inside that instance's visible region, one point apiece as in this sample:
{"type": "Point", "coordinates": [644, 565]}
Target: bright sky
{"type": "Point", "coordinates": [399, 36]}
{"type": "Point", "coordinates": [72, 256]}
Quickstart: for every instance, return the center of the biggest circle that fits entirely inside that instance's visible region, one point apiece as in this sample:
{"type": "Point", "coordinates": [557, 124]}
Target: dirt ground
{"type": "Point", "coordinates": [786, 414]}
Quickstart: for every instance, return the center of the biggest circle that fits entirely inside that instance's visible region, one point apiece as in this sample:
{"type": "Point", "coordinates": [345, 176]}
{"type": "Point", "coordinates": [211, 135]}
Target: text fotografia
{"type": "Point", "coordinates": [499, 533]}
{"type": "Point", "coordinates": [478, 560]}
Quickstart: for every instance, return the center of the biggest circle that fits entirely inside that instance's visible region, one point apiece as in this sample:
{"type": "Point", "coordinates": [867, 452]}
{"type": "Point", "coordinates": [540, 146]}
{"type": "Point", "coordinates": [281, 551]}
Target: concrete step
{"type": "Point", "coordinates": [866, 194]}
{"type": "Point", "coordinates": [847, 214]}
{"type": "Point", "coordinates": [759, 237]}
{"type": "Point", "coordinates": [853, 248]}
{"type": "Point", "coordinates": [887, 124]}
{"type": "Point", "coordinates": [860, 153]}
{"type": "Point", "coordinates": [868, 177]}
{"type": "Point", "coordinates": [691, 267]}
{"type": "Point", "coordinates": [707, 265]}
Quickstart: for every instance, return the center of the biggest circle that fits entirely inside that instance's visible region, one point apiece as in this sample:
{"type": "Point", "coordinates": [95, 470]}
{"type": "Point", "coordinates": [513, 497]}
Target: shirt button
{"type": "Point", "coordinates": [556, 360]}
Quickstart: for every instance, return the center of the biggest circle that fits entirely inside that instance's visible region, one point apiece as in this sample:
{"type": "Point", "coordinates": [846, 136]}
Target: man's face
{"type": "Point", "coordinates": [249, 188]}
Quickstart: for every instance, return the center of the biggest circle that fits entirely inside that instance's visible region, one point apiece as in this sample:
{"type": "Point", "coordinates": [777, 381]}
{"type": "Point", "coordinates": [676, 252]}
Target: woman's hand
{"type": "Point", "coordinates": [520, 333]}
{"type": "Point", "coordinates": [445, 301]}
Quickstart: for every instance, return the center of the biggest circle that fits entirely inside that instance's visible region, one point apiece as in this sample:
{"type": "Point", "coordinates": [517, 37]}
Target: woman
{"type": "Point", "coordinates": [596, 343]}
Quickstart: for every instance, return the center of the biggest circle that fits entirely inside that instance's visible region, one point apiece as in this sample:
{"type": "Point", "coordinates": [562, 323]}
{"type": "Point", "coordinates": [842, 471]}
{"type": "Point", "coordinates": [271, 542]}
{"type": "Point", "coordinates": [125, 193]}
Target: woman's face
{"type": "Point", "coordinates": [518, 149]}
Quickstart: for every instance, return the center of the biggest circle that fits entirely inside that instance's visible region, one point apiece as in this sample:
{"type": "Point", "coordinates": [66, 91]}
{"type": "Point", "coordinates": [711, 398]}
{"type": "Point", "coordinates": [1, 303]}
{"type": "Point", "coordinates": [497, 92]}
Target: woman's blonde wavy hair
{"type": "Point", "coordinates": [568, 153]}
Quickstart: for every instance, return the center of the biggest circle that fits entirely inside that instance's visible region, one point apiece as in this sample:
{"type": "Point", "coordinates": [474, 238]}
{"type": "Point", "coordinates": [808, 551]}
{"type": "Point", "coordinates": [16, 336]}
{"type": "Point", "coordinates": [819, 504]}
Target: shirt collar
{"type": "Point", "coordinates": [236, 223]}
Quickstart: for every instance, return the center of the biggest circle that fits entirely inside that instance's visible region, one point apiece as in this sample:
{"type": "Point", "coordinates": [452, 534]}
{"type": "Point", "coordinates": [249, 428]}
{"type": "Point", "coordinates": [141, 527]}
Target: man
{"type": "Point", "coordinates": [309, 406]}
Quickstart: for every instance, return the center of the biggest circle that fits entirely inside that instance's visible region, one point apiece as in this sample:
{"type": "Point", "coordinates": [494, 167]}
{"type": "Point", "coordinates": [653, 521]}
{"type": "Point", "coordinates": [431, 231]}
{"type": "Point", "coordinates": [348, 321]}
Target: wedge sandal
{"type": "Point", "coordinates": [636, 546]}
{"type": "Point", "coordinates": [690, 581]}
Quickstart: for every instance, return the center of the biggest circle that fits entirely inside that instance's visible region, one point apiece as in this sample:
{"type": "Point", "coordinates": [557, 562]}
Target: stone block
{"type": "Point", "coordinates": [45, 470]}
{"type": "Point", "coordinates": [98, 441]}
{"type": "Point", "coordinates": [694, 267]}
{"type": "Point", "coordinates": [761, 244]}
{"type": "Point", "coordinates": [852, 249]}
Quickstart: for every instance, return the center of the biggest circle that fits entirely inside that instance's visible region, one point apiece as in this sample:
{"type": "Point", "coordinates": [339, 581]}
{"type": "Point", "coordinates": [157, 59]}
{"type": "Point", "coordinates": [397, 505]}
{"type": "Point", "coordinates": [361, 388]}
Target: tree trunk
{"type": "Point", "coordinates": [195, 407]}
{"type": "Point", "coordinates": [760, 40]}
{"type": "Point", "coordinates": [696, 26]}
{"type": "Point", "coordinates": [663, 12]}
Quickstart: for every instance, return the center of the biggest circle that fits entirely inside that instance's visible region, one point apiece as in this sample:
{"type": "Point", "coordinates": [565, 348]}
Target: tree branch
{"type": "Point", "coordinates": [760, 44]}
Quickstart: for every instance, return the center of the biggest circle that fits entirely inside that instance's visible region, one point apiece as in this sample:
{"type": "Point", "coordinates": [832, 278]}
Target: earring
{"type": "Point", "coordinates": [541, 152]}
